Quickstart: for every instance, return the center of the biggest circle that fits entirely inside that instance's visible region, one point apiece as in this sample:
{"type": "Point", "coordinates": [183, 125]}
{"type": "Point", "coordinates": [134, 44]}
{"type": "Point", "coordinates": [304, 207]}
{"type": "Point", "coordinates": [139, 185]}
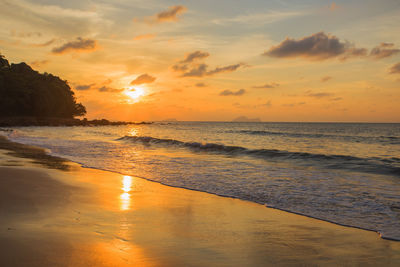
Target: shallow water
{"type": "Point", "coordinates": [345, 173]}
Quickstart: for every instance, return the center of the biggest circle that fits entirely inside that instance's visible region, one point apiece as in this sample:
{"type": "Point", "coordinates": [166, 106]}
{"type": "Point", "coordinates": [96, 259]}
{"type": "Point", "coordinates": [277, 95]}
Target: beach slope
{"type": "Point", "coordinates": [84, 217]}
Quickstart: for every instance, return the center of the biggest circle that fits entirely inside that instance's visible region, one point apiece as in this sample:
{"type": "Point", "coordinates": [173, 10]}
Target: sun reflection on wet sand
{"type": "Point", "coordinates": [125, 197]}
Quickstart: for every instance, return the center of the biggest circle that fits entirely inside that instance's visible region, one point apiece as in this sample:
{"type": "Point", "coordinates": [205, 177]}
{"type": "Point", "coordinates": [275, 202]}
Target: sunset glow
{"type": "Point", "coordinates": [207, 61]}
{"type": "Point", "coordinates": [134, 94]}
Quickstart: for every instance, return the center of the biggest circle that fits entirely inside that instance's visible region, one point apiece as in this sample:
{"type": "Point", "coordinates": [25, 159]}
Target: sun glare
{"type": "Point", "coordinates": [134, 93]}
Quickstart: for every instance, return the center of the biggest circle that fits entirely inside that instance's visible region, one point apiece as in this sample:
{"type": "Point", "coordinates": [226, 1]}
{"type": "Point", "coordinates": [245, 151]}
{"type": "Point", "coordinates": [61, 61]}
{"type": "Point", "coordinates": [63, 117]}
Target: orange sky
{"type": "Point", "coordinates": [276, 61]}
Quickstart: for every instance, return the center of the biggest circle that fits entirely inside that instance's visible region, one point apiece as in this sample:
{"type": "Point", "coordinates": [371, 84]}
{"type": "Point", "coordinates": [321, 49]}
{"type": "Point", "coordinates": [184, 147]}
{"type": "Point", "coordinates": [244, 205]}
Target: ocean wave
{"type": "Point", "coordinates": [390, 166]}
{"type": "Point", "coordinates": [389, 140]}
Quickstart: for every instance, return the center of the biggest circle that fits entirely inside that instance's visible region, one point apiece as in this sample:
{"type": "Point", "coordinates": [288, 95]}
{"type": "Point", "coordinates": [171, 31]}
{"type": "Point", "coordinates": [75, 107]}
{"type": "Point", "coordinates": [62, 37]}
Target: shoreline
{"type": "Point", "coordinates": [82, 165]}
{"type": "Point", "coordinates": [57, 159]}
{"type": "Point", "coordinates": [236, 198]}
{"type": "Point", "coordinates": [190, 221]}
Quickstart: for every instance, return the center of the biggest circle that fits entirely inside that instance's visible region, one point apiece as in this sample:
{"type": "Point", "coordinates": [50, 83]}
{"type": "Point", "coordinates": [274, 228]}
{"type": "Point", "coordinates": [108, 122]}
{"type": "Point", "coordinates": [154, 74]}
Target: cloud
{"type": "Point", "coordinates": [229, 68]}
{"type": "Point", "coordinates": [44, 44]}
{"type": "Point", "coordinates": [51, 16]}
{"type": "Point", "coordinates": [144, 78]}
{"type": "Point", "coordinates": [197, 71]}
{"type": "Point", "coordinates": [191, 69]}
{"type": "Point", "coordinates": [200, 85]}
{"type": "Point", "coordinates": [294, 104]}
{"type": "Point", "coordinates": [144, 37]}
{"type": "Point", "coordinates": [229, 92]}
{"type": "Point", "coordinates": [383, 50]}
{"type": "Point", "coordinates": [325, 79]}
{"type": "Point", "coordinates": [354, 52]}
{"type": "Point", "coordinates": [267, 86]}
{"type": "Point", "coordinates": [38, 63]}
{"type": "Point", "coordinates": [201, 70]}
{"type": "Point", "coordinates": [171, 14]}
{"type": "Point", "coordinates": [395, 69]}
{"type": "Point", "coordinates": [318, 46]}
{"type": "Point", "coordinates": [20, 34]}
{"type": "Point", "coordinates": [83, 87]}
{"type": "Point", "coordinates": [258, 18]}
{"type": "Point", "coordinates": [183, 65]}
{"type": "Point", "coordinates": [109, 89]}
{"type": "Point", "coordinates": [319, 94]}
{"type": "Point", "coordinates": [180, 67]}
{"type": "Point", "coordinates": [80, 45]}
{"type": "Point", "coordinates": [195, 55]}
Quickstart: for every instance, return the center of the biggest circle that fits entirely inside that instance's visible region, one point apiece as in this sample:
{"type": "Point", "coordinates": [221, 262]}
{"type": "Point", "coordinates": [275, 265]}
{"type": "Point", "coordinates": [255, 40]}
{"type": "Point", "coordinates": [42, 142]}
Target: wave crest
{"type": "Point", "coordinates": [370, 165]}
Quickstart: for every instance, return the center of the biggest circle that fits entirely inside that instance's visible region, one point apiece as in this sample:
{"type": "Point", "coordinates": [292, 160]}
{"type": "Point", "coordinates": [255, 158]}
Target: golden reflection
{"type": "Point", "coordinates": [133, 132]}
{"type": "Point", "coordinates": [127, 183]}
{"type": "Point", "coordinates": [125, 197]}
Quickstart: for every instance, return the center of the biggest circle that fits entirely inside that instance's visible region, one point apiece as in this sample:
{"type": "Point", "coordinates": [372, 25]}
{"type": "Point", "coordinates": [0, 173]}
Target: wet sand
{"type": "Point", "coordinates": [73, 216]}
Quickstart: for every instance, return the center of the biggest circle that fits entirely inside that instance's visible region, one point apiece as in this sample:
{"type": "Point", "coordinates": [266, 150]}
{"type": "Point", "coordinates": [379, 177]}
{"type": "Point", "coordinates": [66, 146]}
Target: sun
{"type": "Point", "coordinates": [134, 93]}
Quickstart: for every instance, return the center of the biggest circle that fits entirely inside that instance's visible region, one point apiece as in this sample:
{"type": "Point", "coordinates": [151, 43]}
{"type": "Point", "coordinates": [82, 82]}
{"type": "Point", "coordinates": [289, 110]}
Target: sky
{"type": "Point", "coordinates": [299, 60]}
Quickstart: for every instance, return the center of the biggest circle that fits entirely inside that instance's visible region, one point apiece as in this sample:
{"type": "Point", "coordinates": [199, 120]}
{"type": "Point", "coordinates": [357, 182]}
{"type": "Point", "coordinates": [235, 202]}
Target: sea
{"type": "Point", "coordinates": [345, 173]}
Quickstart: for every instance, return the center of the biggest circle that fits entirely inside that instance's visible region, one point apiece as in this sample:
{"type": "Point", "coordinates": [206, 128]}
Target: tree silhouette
{"type": "Point", "coordinates": [26, 92]}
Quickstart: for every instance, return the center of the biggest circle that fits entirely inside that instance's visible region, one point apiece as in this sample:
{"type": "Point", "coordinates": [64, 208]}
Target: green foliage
{"type": "Point", "coordinates": [26, 92]}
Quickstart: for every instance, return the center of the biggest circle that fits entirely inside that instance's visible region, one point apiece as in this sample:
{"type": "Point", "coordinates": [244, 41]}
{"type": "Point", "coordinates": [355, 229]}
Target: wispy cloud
{"type": "Point", "coordinates": [319, 94]}
{"type": "Point", "coordinates": [144, 78]}
{"type": "Point", "coordinates": [52, 17]}
{"type": "Point", "coordinates": [325, 79]}
{"type": "Point", "coordinates": [80, 45]}
{"type": "Point", "coordinates": [193, 56]}
{"type": "Point", "coordinates": [144, 37]}
{"type": "Point", "coordinates": [259, 18]}
{"type": "Point", "coordinates": [294, 104]}
{"type": "Point", "coordinates": [200, 85]}
{"type": "Point", "coordinates": [184, 64]}
{"type": "Point", "coordinates": [21, 34]}
{"type": "Point", "coordinates": [108, 89]}
{"type": "Point", "coordinates": [232, 93]}
{"type": "Point", "coordinates": [384, 50]}
{"type": "Point", "coordinates": [83, 87]}
{"type": "Point", "coordinates": [266, 86]}
{"type": "Point", "coordinates": [44, 44]}
{"type": "Point", "coordinates": [190, 68]}
{"type": "Point", "coordinates": [201, 70]}
{"type": "Point", "coordinates": [228, 68]}
{"type": "Point", "coordinates": [172, 14]}
{"type": "Point", "coordinates": [395, 69]}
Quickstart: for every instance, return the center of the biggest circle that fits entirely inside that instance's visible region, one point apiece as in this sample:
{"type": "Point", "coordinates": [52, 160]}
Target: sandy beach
{"type": "Point", "coordinates": [65, 215]}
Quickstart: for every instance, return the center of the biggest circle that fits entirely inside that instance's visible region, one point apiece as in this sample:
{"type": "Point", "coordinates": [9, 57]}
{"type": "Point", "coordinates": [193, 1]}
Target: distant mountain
{"type": "Point", "coordinates": [25, 92]}
{"type": "Point", "coordinates": [245, 119]}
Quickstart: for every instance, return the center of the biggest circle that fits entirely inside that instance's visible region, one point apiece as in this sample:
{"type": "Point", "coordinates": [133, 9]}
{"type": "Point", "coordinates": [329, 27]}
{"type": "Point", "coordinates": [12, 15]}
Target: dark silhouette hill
{"type": "Point", "coordinates": [25, 92]}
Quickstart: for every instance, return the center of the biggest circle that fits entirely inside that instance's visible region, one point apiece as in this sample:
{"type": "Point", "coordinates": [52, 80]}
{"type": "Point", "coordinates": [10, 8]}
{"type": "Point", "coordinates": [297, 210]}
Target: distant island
{"type": "Point", "coordinates": [245, 119]}
{"type": "Point", "coordinates": [29, 98]}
